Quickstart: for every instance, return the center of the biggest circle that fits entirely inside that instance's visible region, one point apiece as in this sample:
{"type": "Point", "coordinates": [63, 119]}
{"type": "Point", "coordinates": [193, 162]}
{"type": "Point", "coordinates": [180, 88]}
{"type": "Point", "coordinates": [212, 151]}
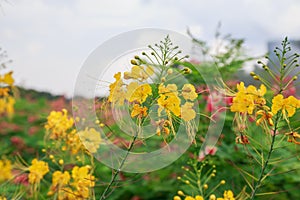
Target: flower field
{"type": "Point", "coordinates": [52, 149]}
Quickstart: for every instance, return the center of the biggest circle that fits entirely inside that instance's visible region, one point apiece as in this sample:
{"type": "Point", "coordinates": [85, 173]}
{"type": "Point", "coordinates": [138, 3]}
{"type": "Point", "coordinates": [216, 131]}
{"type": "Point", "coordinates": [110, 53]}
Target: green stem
{"type": "Point", "coordinates": [113, 178]}
{"type": "Point", "coordinates": [262, 174]}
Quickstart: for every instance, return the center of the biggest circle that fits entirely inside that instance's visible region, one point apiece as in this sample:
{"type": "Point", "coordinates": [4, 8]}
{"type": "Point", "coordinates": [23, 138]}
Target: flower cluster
{"type": "Point", "coordinates": [60, 128]}
{"type": "Point", "coordinates": [247, 99]}
{"type": "Point", "coordinates": [135, 88]}
{"type": "Point", "coordinates": [91, 139]}
{"type": "Point", "coordinates": [274, 110]}
{"type": "Point", "coordinates": [250, 99]}
{"type": "Point", "coordinates": [58, 123]}
{"type": "Point", "coordinates": [76, 185]}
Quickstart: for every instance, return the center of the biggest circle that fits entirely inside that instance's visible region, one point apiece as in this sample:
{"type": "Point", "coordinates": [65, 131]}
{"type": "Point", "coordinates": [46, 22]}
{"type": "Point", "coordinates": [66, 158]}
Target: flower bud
{"type": "Point", "coordinates": [176, 198]}
{"type": "Point", "coordinates": [61, 161]}
{"type": "Point", "coordinates": [256, 78]}
{"type": "Point", "coordinates": [212, 197]}
{"type": "Point", "coordinates": [101, 125]}
{"type": "Point", "coordinates": [170, 71]}
{"type": "Point", "coordinates": [180, 193]}
{"type": "Point", "coordinates": [252, 74]}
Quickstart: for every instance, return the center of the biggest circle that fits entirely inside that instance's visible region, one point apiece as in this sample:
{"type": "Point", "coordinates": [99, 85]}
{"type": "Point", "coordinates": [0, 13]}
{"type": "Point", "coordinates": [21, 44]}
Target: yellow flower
{"type": "Point", "coordinates": [7, 79]}
{"type": "Point", "coordinates": [177, 198]}
{"type": "Point", "coordinates": [37, 171]}
{"type": "Point", "coordinates": [198, 197]}
{"type": "Point", "coordinates": [228, 195]}
{"type": "Point", "coordinates": [212, 197]}
{"type": "Point", "coordinates": [168, 99]}
{"type": "Point", "coordinates": [139, 111]}
{"type": "Point", "coordinates": [187, 111]}
{"type": "Point", "coordinates": [4, 92]}
{"type": "Point", "coordinates": [189, 198]}
{"type": "Point", "coordinates": [7, 106]}
{"type": "Point", "coordinates": [171, 89]}
{"type": "Point", "coordinates": [116, 92]}
{"type": "Point", "coordinates": [294, 137]}
{"type": "Point", "coordinates": [73, 142]}
{"type": "Point", "coordinates": [139, 72]}
{"type": "Point", "coordinates": [59, 181]}
{"type": "Point", "coordinates": [10, 106]}
{"type": "Point", "coordinates": [83, 181]}
{"type": "Point", "coordinates": [248, 98]}
{"type": "Point", "coordinates": [91, 139]}
{"type": "Point", "coordinates": [58, 123]}
{"type": "Point", "coordinates": [138, 93]}
{"type": "Point", "coordinates": [257, 92]}
{"type": "Point", "coordinates": [189, 92]}
{"type": "Point", "coordinates": [242, 103]}
{"type": "Point", "coordinates": [288, 105]}
{"type": "Point", "coordinates": [265, 116]}
{"type": "Point", "coordinates": [5, 170]}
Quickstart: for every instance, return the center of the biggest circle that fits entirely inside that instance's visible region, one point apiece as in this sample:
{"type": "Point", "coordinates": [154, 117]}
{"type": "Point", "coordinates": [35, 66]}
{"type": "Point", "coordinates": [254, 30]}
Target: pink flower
{"type": "Point", "coordinates": [21, 178]}
{"type": "Point", "coordinates": [209, 150]}
{"type": "Point", "coordinates": [17, 141]}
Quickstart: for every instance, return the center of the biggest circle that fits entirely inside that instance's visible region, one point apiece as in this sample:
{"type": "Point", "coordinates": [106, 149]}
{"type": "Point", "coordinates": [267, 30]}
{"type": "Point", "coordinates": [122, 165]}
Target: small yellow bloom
{"type": "Point", "coordinates": [59, 182]}
{"type": "Point", "coordinates": [91, 139]}
{"type": "Point", "coordinates": [189, 92]}
{"type": "Point", "coordinates": [82, 180]}
{"type": "Point", "coordinates": [189, 198]}
{"type": "Point", "coordinates": [187, 111]}
{"type": "Point", "coordinates": [246, 99]}
{"type": "Point", "coordinates": [58, 123]}
{"type": "Point", "coordinates": [7, 78]}
{"type": "Point", "coordinates": [288, 105]}
{"type": "Point", "coordinates": [139, 111]}
{"type": "Point", "coordinates": [294, 137]}
{"type": "Point", "coordinates": [37, 171]}
{"type": "Point", "coordinates": [116, 92]}
{"type": "Point", "coordinates": [168, 99]}
{"type": "Point", "coordinates": [7, 105]}
{"type": "Point", "coordinates": [4, 92]}
{"type": "Point", "coordinates": [212, 197]}
{"type": "Point", "coordinates": [61, 161]}
{"type": "Point", "coordinates": [176, 198]}
{"type": "Point", "coordinates": [198, 197]}
{"type": "Point", "coordinates": [265, 116]}
{"type": "Point", "coordinates": [138, 93]}
{"type": "Point", "coordinates": [139, 72]}
{"type": "Point", "coordinates": [227, 195]}
{"type": "Point", "coordinates": [5, 170]}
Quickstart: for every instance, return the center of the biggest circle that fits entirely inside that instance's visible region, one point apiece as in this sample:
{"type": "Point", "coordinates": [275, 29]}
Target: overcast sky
{"type": "Point", "coordinates": [49, 40]}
